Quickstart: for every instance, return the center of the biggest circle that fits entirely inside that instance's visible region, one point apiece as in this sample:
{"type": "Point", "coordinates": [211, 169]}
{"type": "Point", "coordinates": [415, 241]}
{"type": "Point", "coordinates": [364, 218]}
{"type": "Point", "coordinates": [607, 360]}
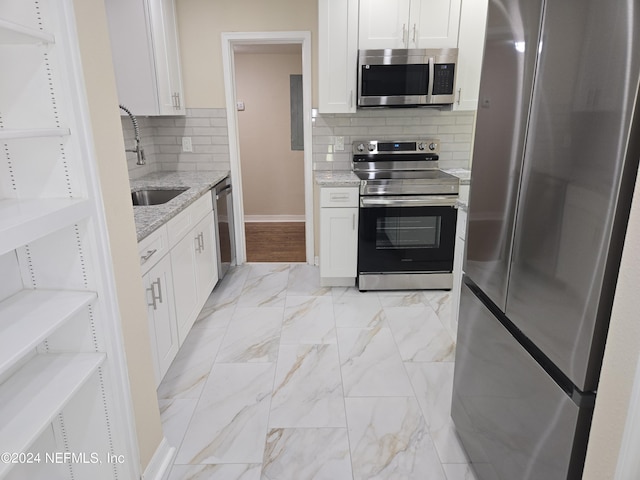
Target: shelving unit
{"type": "Point", "coordinates": [63, 379]}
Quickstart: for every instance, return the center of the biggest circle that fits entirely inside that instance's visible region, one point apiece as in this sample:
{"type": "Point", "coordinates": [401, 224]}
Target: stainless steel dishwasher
{"type": "Point", "coordinates": [223, 208]}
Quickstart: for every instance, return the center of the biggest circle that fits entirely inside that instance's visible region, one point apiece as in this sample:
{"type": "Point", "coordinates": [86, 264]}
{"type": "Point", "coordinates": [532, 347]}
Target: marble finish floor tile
{"type": "Point", "coordinates": [308, 388]}
{"type": "Point", "coordinates": [359, 312]}
{"type": "Point", "coordinates": [282, 379]}
{"type": "Point", "coordinates": [265, 286]}
{"type": "Point", "coordinates": [229, 471]}
{"type": "Point", "coordinates": [176, 414]}
{"type": "Point", "coordinates": [305, 280]}
{"type": "Point", "coordinates": [230, 421]}
{"type": "Point", "coordinates": [420, 335]}
{"type": "Point", "coordinates": [252, 336]}
{"type": "Point", "coordinates": [307, 453]}
{"type": "Point", "coordinates": [433, 386]}
{"type": "Point", "coordinates": [189, 371]}
{"type": "Point", "coordinates": [389, 439]}
{"type": "Point", "coordinates": [371, 364]}
{"type": "Point", "coordinates": [308, 320]}
{"type": "Point", "coordinates": [458, 471]}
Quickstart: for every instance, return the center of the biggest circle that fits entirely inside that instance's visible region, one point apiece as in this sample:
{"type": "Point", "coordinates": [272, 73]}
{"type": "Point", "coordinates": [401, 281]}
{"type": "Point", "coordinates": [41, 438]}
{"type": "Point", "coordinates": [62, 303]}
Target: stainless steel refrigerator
{"type": "Point", "coordinates": [554, 164]}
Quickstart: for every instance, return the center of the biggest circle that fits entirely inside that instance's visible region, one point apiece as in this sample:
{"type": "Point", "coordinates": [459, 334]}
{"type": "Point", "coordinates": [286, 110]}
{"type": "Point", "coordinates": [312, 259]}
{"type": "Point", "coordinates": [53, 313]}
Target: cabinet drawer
{"type": "Point", "coordinates": [179, 225]}
{"type": "Point", "coordinates": [339, 197]}
{"type": "Point", "coordinates": [152, 248]}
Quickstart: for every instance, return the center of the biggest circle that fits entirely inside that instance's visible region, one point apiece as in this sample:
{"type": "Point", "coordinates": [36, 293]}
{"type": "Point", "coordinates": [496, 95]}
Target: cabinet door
{"type": "Point", "coordinates": [183, 262]}
{"type": "Point", "coordinates": [473, 19]}
{"type": "Point", "coordinates": [161, 315]}
{"type": "Point", "coordinates": [433, 23]}
{"type": "Point", "coordinates": [383, 24]}
{"type": "Point", "coordinates": [206, 258]}
{"type": "Point", "coordinates": [146, 59]}
{"type": "Point", "coordinates": [338, 55]}
{"type": "Point", "coordinates": [338, 242]}
{"type": "Point", "coordinates": [164, 30]}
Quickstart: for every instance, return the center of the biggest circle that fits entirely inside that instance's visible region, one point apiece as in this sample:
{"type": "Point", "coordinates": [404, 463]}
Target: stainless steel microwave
{"type": "Point", "coordinates": [406, 77]}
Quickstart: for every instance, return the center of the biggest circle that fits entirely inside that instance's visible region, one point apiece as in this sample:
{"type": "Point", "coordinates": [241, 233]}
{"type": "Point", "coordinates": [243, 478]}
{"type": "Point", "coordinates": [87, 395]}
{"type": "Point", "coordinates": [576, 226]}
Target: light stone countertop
{"type": "Point", "coordinates": [149, 218]}
{"type": "Point", "coordinates": [464, 174]}
{"type": "Point", "coordinates": [338, 178]}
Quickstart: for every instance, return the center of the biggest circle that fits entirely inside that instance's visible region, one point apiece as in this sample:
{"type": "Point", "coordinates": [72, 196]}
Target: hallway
{"type": "Point", "coordinates": [282, 379]}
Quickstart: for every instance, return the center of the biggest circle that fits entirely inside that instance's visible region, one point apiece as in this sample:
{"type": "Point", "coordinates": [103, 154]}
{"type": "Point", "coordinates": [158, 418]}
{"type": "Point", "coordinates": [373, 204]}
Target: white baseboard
{"type": "Point", "coordinates": [161, 462]}
{"type": "Point", "coordinates": [273, 218]}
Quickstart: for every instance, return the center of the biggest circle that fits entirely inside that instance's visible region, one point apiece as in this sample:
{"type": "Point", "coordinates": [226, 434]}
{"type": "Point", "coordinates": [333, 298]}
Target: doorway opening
{"type": "Point", "coordinates": [268, 100]}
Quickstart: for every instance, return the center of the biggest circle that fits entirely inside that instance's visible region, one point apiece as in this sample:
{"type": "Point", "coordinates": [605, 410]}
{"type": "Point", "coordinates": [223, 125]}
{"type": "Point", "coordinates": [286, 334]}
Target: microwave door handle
{"type": "Point", "coordinates": [431, 80]}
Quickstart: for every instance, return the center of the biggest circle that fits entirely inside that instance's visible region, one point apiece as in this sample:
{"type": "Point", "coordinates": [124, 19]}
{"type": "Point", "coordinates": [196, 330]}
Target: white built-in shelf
{"type": "Point", "coordinates": [34, 395]}
{"type": "Point", "coordinates": [22, 221]}
{"type": "Point", "coordinates": [11, 133]}
{"type": "Point", "coordinates": [13, 33]}
{"type": "Point", "coordinates": [30, 316]}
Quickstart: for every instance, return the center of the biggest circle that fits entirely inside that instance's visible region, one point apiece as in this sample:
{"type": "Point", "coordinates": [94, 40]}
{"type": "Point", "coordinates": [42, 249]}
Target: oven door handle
{"type": "Point", "coordinates": [409, 201]}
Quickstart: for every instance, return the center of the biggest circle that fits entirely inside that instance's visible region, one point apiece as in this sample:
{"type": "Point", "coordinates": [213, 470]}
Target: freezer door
{"type": "Point", "coordinates": [567, 240]}
{"type": "Point", "coordinates": [513, 419]}
{"type": "Point", "coordinates": [505, 94]}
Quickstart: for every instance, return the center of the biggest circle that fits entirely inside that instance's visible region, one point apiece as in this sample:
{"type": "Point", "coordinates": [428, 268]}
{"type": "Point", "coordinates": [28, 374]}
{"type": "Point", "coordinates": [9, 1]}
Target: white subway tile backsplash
{"type": "Point", "coordinates": [207, 127]}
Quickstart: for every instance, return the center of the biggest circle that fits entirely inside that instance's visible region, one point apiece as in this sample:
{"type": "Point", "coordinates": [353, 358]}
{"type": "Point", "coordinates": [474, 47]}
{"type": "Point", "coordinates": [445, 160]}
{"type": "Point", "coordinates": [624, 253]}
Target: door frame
{"type": "Point", "coordinates": [229, 41]}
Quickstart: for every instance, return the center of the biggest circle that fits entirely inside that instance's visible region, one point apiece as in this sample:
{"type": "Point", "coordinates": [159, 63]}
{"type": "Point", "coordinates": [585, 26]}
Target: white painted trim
{"type": "Point", "coordinates": [161, 462]}
{"type": "Point", "coordinates": [229, 40]}
{"type": "Point", "coordinates": [273, 218]}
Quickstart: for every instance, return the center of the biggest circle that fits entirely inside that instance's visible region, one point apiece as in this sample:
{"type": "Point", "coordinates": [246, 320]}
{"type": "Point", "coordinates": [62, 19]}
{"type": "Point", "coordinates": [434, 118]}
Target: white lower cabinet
{"type": "Point", "coordinates": [195, 273]}
{"type": "Point", "coordinates": [161, 314]}
{"type": "Point", "coordinates": [179, 274]}
{"type": "Point", "coordinates": [338, 236]}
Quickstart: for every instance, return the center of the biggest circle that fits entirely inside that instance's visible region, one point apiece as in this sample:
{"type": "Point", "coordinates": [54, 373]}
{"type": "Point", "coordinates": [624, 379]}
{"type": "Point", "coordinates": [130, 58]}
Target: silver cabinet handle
{"type": "Point", "coordinates": [201, 240]}
{"type": "Point", "coordinates": [176, 100]}
{"type": "Point", "coordinates": [155, 297]}
{"type": "Point", "coordinates": [414, 33]}
{"type": "Point", "coordinates": [146, 257]}
{"type": "Point", "coordinates": [459, 96]}
{"type": "Point", "coordinates": [198, 244]}
{"type": "Point", "coordinates": [404, 34]}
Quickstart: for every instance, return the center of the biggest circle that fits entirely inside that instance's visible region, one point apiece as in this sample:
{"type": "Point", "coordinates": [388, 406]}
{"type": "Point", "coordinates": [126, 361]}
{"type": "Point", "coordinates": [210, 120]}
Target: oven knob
{"type": "Point", "coordinates": [372, 147]}
{"type": "Point", "coordinates": [360, 147]}
{"type": "Point", "coordinates": [421, 146]}
{"type": "Point", "coordinates": [432, 146]}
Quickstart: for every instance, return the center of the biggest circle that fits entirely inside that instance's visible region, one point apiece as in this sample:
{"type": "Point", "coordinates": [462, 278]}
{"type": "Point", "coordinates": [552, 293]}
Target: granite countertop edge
{"type": "Point", "coordinates": [338, 178]}
{"type": "Point", "coordinates": [149, 218]}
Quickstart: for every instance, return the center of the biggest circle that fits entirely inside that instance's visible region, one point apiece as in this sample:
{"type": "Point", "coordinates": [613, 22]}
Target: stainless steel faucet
{"type": "Point", "coordinates": [138, 150]}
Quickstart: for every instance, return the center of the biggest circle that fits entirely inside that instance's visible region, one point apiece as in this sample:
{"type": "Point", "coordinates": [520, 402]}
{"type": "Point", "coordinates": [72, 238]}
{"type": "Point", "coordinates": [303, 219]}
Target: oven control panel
{"type": "Point", "coordinates": [389, 147]}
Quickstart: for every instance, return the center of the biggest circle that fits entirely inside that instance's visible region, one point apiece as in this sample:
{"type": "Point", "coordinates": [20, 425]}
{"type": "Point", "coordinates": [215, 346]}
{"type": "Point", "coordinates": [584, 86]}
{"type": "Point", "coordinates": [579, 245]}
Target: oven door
{"type": "Point", "coordinates": [406, 234]}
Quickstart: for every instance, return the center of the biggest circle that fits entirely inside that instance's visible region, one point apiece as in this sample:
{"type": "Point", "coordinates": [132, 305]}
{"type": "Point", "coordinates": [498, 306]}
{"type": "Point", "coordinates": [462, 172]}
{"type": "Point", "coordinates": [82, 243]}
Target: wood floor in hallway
{"type": "Point", "coordinates": [275, 241]}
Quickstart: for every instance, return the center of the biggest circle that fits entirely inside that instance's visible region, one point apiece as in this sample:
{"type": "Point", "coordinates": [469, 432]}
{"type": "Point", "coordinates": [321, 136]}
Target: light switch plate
{"type": "Point", "coordinates": [187, 146]}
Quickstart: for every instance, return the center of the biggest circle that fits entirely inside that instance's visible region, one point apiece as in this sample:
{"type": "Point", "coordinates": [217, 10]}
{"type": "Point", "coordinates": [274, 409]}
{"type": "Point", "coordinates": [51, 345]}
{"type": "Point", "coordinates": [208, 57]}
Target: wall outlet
{"type": "Point", "coordinates": [338, 143]}
{"type": "Point", "coordinates": [187, 146]}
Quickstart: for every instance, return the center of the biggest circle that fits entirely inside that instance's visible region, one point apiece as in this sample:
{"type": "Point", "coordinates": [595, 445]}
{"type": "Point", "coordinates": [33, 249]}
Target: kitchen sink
{"type": "Point", "coordinates": [154, 196]}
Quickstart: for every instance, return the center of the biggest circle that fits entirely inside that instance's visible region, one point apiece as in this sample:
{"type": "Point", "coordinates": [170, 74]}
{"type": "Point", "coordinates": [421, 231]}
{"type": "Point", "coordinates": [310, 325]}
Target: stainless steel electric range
{"type": "Point", "coordinates": [407, 215]}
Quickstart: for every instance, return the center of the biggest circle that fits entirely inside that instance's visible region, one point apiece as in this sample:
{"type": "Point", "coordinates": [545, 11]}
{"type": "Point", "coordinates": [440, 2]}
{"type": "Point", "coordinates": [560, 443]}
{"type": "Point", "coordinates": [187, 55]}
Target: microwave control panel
{"type": "Point", "coordinates": [443, 74]}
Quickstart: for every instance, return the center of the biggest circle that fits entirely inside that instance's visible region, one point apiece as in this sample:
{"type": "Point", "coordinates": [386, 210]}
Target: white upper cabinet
{"type": "Point", "coordinates": [408, 24]}
{"type": "Point", "coordinates": [338, 55]}
{"type": "Point", "coordinates": [470, 51]}
{"type": "Point", "coordinates": [146, 59]}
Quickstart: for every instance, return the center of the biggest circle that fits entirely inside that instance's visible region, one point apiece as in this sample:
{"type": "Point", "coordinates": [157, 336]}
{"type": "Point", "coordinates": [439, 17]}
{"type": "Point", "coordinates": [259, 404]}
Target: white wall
{"type": "Point", "coordinates": [107, 134]}
{"type": "Point", "coordinates": [201, 23]}
{"type": "Point", "coordinates": [272, 173]}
